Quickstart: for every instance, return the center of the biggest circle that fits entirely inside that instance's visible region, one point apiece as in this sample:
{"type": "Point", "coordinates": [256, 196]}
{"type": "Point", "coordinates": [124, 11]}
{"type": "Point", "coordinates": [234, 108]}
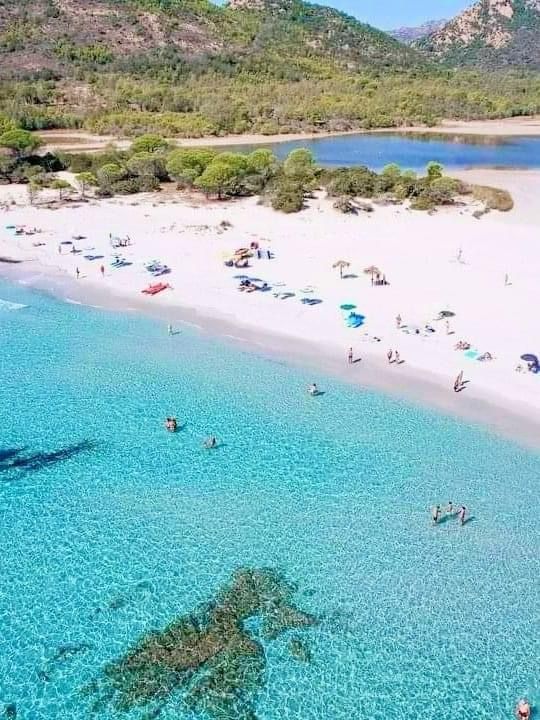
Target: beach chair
{"type": "Point", "coordinates": [161, 270]}
{"type": "Point", "coordinates": [155, 289]}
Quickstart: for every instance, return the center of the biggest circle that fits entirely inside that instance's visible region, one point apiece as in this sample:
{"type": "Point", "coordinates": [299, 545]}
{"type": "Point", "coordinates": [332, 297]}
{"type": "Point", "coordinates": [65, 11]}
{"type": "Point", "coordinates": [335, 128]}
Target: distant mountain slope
{"type": "Point", "coordinates": [490, 34]}
{"type": "Point", "coordinates": [60, 34]}
{"type": "Point", "coordinates": [320, 30]}
{"type": "Point", "coordinates": [409, 35]}
{"type": "Point", "coordinates": [191, 68]}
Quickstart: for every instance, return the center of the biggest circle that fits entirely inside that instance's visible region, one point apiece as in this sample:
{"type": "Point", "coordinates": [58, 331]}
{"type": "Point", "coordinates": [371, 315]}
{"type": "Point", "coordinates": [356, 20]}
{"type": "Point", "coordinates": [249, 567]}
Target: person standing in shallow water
{"type": "Point", "coordinates": [462, 514]}
{"type": "Point", "coordinates": [436, 514]}
{"type": "Point", "coordinates": [350, 356]}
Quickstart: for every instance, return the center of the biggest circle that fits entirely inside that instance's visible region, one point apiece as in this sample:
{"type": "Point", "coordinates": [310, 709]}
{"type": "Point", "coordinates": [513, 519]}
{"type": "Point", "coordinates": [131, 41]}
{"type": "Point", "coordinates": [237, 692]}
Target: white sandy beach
{"type": "Point", "coordinates": [417, 252]}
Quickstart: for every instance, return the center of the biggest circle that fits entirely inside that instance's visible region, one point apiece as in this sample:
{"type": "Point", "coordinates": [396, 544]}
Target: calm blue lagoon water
{"type": "Point", "coordinates": [416, 151]}
{"type": "Point", "coordinates": [112, 527]}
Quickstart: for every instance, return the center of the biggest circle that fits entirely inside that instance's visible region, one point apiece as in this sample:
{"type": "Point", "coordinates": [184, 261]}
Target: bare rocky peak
{"type": "Point", "coordinates": [410, 34]}
{"type": "Point", "coordinates": [488, 21]}
{"type": "Point", "coordinates": [271, 5]}
{"type": "Point", "coordinates": [247, 4]}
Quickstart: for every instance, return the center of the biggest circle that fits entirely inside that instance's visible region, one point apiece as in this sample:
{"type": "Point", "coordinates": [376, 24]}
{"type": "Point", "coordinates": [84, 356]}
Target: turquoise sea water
{"type": "Point", "coordinates": [416, 151]}
{"type": "Point", "coordinates": [111, 527]}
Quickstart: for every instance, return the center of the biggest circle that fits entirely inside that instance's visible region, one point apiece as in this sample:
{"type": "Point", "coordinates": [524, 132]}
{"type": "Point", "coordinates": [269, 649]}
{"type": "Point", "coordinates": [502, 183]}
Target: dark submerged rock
{"type": "Point", "coordinates": [208, 654]}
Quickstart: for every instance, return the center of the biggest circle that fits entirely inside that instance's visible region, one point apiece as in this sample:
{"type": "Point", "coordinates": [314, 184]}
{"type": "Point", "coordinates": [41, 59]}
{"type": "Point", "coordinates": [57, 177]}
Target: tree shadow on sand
{"type": "Point", "coordinates": [20, 459]}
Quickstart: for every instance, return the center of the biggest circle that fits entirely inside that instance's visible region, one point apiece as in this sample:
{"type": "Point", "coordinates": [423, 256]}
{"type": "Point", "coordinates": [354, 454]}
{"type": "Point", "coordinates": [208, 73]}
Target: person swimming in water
{"type": "Point", "coordinates": [523, 710]}
{"type": "Point", "coordinates": [171, 425]}
{"type": "Point", "coordinates": [210, 443]}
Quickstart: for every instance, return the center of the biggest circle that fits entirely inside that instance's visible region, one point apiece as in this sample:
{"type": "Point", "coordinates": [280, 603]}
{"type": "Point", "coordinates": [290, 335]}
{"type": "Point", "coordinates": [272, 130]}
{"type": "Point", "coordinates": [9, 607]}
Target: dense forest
{"type": "Point", "coordinates": [190, 68]}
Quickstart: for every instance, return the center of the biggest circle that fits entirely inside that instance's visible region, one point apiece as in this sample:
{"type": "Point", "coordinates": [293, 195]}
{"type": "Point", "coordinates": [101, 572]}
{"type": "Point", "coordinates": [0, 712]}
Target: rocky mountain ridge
{"type": "Point", "coordinates": [52, 35]}
{"type": "Point", "coordinates": [411, 34]}
{"type": "Point", "coordinates": [490, 34]}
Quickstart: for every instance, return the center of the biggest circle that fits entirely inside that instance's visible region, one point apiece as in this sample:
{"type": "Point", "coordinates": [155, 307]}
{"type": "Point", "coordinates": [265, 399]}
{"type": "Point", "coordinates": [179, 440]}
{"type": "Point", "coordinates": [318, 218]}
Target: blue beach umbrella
{"type": "Point", "coordinates": [529, 357]}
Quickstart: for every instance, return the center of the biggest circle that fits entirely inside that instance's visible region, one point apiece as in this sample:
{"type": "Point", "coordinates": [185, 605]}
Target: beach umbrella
{"type": "Point", "coordinates": [372, 270]}
{"type": "Point", "coordinates": [341, 264]}
{"type": "Point", "coordinates": [530, 358]}
{"type": "Point", "coordinates": [446, 314]}
{"type": "Point", "coordinates": [347, 307]}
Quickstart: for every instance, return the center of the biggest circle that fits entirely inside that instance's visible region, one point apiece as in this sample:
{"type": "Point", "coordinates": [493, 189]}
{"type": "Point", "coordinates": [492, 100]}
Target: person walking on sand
{"type": "Point", "coordinates": [59, 249]}
{"type": "Point", "coordinates": [398, 321]}
{"type": "Point", "coordinates": [435, 514]}
{"type": "Point", "coordinates": [397, 358]}
{"type": "Point", "coordinates": [350, 357]}
{"type": "Point", "coordinates": [447, 326]}
{"type": "Point", "coordinates": [102, 270]}
{"type": "Point", "coordinates": [461, 513]}
{"type": "Point", "coordinates": [77, 273]}
{"type": "Point", "coordinates": [390, 355]}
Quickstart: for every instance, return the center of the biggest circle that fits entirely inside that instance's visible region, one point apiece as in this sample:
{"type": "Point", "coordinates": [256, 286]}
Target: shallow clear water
{"type": "Point", "coordinates": [416, 151]}
{"type": "Point", "coordinates": [104, 541]}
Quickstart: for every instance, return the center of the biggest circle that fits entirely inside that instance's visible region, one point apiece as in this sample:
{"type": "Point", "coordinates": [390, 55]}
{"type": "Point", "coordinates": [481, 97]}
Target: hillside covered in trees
{"type": "Point", "coordinates": [192, 68]}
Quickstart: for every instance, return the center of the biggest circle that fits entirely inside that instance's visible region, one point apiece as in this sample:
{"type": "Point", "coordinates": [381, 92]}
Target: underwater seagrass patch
{"type": "Point", "coordinates": [208, 657]}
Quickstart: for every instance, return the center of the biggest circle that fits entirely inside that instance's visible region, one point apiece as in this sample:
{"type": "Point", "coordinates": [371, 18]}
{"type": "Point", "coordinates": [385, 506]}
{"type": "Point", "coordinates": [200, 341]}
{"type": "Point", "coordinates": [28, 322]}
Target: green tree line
{"type": "Point", "coordinates": [212, 105]}
{"type": "Point", "coordinates": [151, 161]}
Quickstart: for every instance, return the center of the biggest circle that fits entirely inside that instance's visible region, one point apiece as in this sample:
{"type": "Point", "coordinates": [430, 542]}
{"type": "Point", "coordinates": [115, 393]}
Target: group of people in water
{"type": "Point", "coordinates": [171, 425]}
{"type": "Point", "coordinates": [438, 513]}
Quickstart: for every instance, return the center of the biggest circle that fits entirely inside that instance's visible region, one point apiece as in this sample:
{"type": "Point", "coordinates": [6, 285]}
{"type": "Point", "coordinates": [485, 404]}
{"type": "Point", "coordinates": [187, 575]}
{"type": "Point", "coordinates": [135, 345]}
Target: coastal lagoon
{"type": "Point", "coordinates": [415, 151]}
{"type": "Point", "coordinates": [112, 527]}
